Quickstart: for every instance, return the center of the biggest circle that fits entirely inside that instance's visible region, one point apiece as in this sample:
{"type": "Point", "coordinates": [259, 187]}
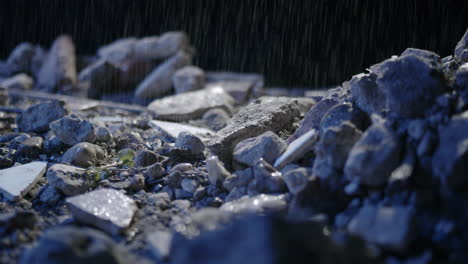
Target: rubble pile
{"type": "Point", "coordinates": [135, 154]}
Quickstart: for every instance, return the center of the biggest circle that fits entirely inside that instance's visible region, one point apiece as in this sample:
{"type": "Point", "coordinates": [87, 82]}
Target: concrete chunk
{"type": "Point", "coordinates": [17, 181]}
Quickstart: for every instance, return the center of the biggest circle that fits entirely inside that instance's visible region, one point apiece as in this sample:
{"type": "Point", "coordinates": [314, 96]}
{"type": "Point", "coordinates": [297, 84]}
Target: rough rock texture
{"type": "Point", "coordinates": [257, 204]}
{"type": "Point", "coordinates": [72, 130]}
{"type": "Point", "coordinates": [84, 155]}
{"type": "Point", "coordinates": [21, 58]}
{"type": "Point", "coordinates": [69, 180]}
{"type": "Point", "coordinates": [191, 142]}
{"type": "Point", "coordinates": [189, 78]}
{"type": "Point", "coordinates": [216, 119]}
{"type": "Point", "coordinates": [267, 146]}
{"type": "Point", "coordinates": [462, 45]}
{"type": "Point", "coordinates": [38, 117]}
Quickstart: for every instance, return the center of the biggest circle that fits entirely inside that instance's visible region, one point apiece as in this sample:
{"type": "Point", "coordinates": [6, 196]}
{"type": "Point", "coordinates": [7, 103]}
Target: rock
{"type": "Point", "coordinates": [461, 82]}
{"type": "Point", "coordinates": [58, 72]}
{"type": "Point", "coordinates": [181, 167]}
{"type": "Point", "coordinates": [53, 145]}
{"type": "Point", "coordinates": [265, 114]}
{"type": "Point", "coordinates": [72, 130]}
{"type": "Point", "coordinates": [238, 179]}
{"type": "Point", "coordinates": [216, 77]}
{"type": "Point", "coordinates": [99, 77]}
{"type": "Point", "coordinates": [107, 209]}
{"type": "Point", "coordinates": [366, 94]}
{"type": "Point", "coordinates": [236, 193]}
{"type": "Point", "coordinates": [17, 220]}
{"type": "Point", "coordinates": [118, 51]}
{"type": "Point", "coordinates": [154, 172]}
{"type": "Point", "coordinates": [144, 158]}
{"type": "Point", "coordinates": [18, 82]}
{"type": "Point", "coordinates": [30, 148]}
{"type": "Point", "coordinates": [137, 182]}
{"type": "Point", "coordinates": [21, 58]}
{"type": "Point", "coordinates": [259, 204]}
{"type": "Point", "coordinates": [189, 185]}
{"type": "Point", "coordinates": [103, 134]}
{"type": "Point", "coordinates": [266, 179]}
{"type": "Point", "coordinates": [182, 194]}
{"type": "Point", "coordinates": [70, 180]}
{"type": "Point", "coordinates": [84, 155]}
{"type": "Point", "coordinates": [68, 244]}
{"type": "Point", "coordinates": [312, 118]}
{"type": "Point", "coordinates": [296, 180]}
{"type": "Point", "coordinates": [297, 149]}
{"type": "Point", "coordinates": [267, 146]}
{"type": "Point", "coordinates": [188, 78]}
{"type": "Point", "coordinates": [241, 91]}
{"type": "Point", "coordinates": [216, 119]}
{"type": "Point", "coordinates": [216, 171]}
{"type": "Point", "coordinates": [172, 129]}
{"type": "Point", "coordinates": [159, 243]}
{"type": "Point", "coordinates": [461, 45]}
{"type": "Point", "coordinates": [165, 46]}
{"type": "Point", "coordinates": [159, 81]}
{"type": "Point", "coordinates": [344, 112]}
{"type": "Point", "coordinates": [191, 142]}
{"type": "Point", "coordinates": [38, 117]}
{"type": "Point", "coordinates": [191, 105]}
{"type": "Point", "coordinates": [450, 158]}
{"type": "Point", "coordinates": [50, 195]}
{"type": "Point", "coordinates": [389, 227]}
{"type": "Point", "coordinates": [3, 96]}
{"type": "Point", "coordinates": [432, 56]}
{"type": "Point", "coordinates": [332, 150]}
{"type": "Point", "coordinates": [18, 181]}
{"type": "Point", "coordinates": [373, 158]}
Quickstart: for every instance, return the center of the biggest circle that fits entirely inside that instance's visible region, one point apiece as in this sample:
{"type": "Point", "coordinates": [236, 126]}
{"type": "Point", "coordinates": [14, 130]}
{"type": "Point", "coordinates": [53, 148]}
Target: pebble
{"type": "Point", "coordinates": [267, 146]}
{"type": "Point", "coordinates": [38, 117]}
{"type": "Point", "coordinates": [241, 91]}
{"type": "Point", "coordinates": [17, 181]}
{"type": "Point", "coordinates": [107, 209]}
{"type": "Point", "coordinates": [30, 148]}
{"type": "Point", "coordinates": [84, 155]}
{"type": "Point", "coordinates": [189, 185]}
{"type": "Point", "coordinates": [144, 158]}
{"type": "Point", "coordinates": [72, 130]}
{"type": "Point", "coordinates": [69, 180]}
{"type": "Point", "coordinates": [162, 47]}
{"type": "Point", "coordinates": [462, 45]}
{"type": "Point", "coordinates": [191, 142]}
{"type": "Point", "coordinates": [18, 82]}
{"type": "Point", "coordinates": [21, 58]}
{"type": "Point", "coordinates": [103, 134]}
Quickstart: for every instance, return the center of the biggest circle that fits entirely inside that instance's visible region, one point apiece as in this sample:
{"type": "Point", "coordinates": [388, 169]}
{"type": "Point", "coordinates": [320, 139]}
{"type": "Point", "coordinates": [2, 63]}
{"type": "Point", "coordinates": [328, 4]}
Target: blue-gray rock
{"type": "Point", "coordinates": [297, 148]}
{"type": "Point", "coordinates": [191, 142]}
{"type": "Point", "coordinates": [296, 180]}
{"type": "Point", "coordinates": [267, 146]}
{"type": "Point", "coordinates": [84, 155]}
{"type": "Point", "coordinates": [461, 82]}
{"type": "Point", "coordinates": [72, 130]}
{"type": "Point", "coordinates": [38, 117]}
{"type": "Point", "coordinates": [461, 45]}
{"type": "Point", "coordinates": [70, 180]}
{"type": "Point", "coordinates": [20, 59]}
{"type": "Point", "coordinates": [30, 148]}
{"type": "Point", "coordinates": [159, 243]}
{"type": "Point", "coordinates": [99, 77]}
{"type": "Point", "coordinates": [263, 203]}
{"type": "Point", "coordinates": [144, 158]}
{"type": "Point", "coordinates": [266, 179]}
{"type": "Point", "coordinates": [18, 181]}
{"type": "Point", "coordinates": [216, 119]}
{"type": "Point", "coordinates": [161, 47]}
{"type": "Point", "coordinates": [188, 78]}
{"type": "Point", "coordinates": [366, 94]}
{"type": "Point", "coordinates": [103, 134]}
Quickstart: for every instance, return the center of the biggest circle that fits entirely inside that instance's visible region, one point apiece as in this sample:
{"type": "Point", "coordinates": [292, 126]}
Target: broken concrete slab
{"type": "Point", "coordinates": [107, 209]}
{"type": "Point", "coordinates": [297, 149]}
{"type": "Point", "coordinates": [17, 181]}
{"type": "Point", "coordinates": [172, 129]}
{"type": "Point", "coordinates": [191, 105]}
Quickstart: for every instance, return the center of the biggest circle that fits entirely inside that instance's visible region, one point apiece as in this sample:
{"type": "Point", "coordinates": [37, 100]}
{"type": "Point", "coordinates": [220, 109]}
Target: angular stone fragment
{"type": "Point", "coordinates": [21, 58]}
{"type": "Point", "coordinates": [191, 142]}
{"type": "Point", "coordinates": [297, 149]}
{"type": "Point", "coordinates": [266, 179]}
{"type": "Point", "coordinates": [3, 96]}
{"type": "Point", "coordinates": [366, 94]}
{"type": "Point", "coordinates": [144, 158]}
{"type": "Point", "coordinates": [107, 209]}
{"type": "Point", "coordinates": [241, 91]}
{"type": "Point", "coordinates": [216, 119]}
{"type": "Point", "coordinates": [159, 82]}
{"type": "Point", "coordinates": [30, 148]}
{"type": "Point", "coordinates": [450, 158]}
{"type": "Point", "coordinates": [461, 45]}
{"type": "Point", "coordinates": [191, 105]}
{"type": "Point", "coordinates": [38, 117]}
{"type": "Point", "coordinates": [72, 130]}
{"type": "Point", "coordinates": [84, 155]}
{"type": "Point", "coordinates": [100, 77]}
{"type": "Point", "coordinates": [17, 181]}
{"type": "Point", "coordinates": [257, 79]}
{"type": "Point", "coordinates": [373, 158]}
{"type": "Point", "coordinates": [267, 146]}
{"type": "Point", "coordinates": [265, 114]}
{"type": "Point", "coordinates": [69, 180]}
{"type": "Point", "coordinates": [172, 129]}
{"type": "Point", "coordinates": [296, 180]}
{"type": "Point", "coordinates": [461, 82]}
{"type": "Point", "coordinates": [216, 171]}
{"type": "Point", "coordinates": [262, 203]}
{"type": "Point", "coordinates": [390, 227]}
{"type": "Point", "coordinates": [188, 78]}
{"type": "Point", "coordinates": [19, 82]}
{"type": "Point", "coordinates": [58, 72]}
{"type": "Point", "coordinates": [159, 243]}
{"type": "Point", "coordinates": [343, 112]}
{"type": "Point", "coordinates": [162, 47]}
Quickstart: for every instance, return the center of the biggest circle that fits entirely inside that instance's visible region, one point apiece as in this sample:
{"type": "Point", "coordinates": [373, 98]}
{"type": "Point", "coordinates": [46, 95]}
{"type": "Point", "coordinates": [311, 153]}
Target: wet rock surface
{"type": "Point", "coordinates": [219, 169]}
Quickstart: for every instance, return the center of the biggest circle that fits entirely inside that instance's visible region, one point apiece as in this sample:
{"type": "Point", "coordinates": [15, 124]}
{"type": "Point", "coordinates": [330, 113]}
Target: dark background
{"type": "Point", "coordinates": [311, 43]}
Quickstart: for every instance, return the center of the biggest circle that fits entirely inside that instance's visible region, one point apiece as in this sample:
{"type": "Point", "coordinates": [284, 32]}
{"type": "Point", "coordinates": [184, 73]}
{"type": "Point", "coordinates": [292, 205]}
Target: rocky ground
{"type": "Point", "coordinates": [135, 155]}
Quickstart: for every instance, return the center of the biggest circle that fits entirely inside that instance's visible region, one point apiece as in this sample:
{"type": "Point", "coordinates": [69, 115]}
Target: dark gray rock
{"type": "Point", "coordinates": [99, 77]}
{"type": "Point", "coordinates": [266, 179]}
{"type": "Point", "coordinates": [343, 112]}
{"type": "Point", "coordinates": [58, 72]}
{"type": "Point", "coordinates": [392, 228]}
{"type": "Point", "coordinates": [119, 51]}
{"type": "Point", "coordinates": [70, 180]}
{"type": "Point", "coordinates": [154, 172]}
{"type": "Point", "coordinates": [451, 156]}
{"type": "Point", "coordinates": [373, 158]}
{"type": "Point", "coordinates": [144, 158]}
{"type": "Point", "coordinates": [267, 146]}
{"type": "Point", "coordinates": [236, 193]}
{"type": "Point", "coordinates": [3, 96]}
{"type": "Point", "coordinates": [461, 45]}
{"type": "Point", "coordinates": [38, 117]}
{"type": "Point", "coordinates": [53, 145]}
{"type": "Point", "coordinates": [162, 47]}
{"type": "Point", "coordinates": [72, 130]}
{"type": "Point", "coordinates": [431, 56]}
{"type": "Point", "coordinates": [30, 148]}
{"type": "Point", "coordinates": [50, 195]}
{"type": "Point", "coordinates": [137, 182]}
{"type": "Point", "coordinates": [461, 82]}
{"type": "Point", "coordinates": [74, 245]}
{"type": "Point", "coordinates": [263, 203]}
{"type": "Point", "coordinates": [188, 78]}
{"type": "Point", "coordinates": [191, 142]}
{"type": "Point", "coordinates": [238, 179]}
{"type": "Point", "coordinates": [103, 134]}
{"type": "Point", "coordinates": [216, 119]}
{"type": "Point", "coordinates": [296, 180]}
{"type": "Point", "coordinates": [84, 155]}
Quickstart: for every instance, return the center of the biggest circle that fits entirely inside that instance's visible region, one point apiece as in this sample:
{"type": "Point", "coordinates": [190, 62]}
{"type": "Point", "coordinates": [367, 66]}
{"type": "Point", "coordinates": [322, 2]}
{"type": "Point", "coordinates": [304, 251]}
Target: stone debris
{"type": "Point", "coordinates": [241, 91]}
{"type": "Point", "coordinates": [296, 180]}
{"type": "Point", "coordinates": [191, 105]}
{"type": "Point", "coordinates": [189, 78]}
{"type": "Point", "coordinates": [216, 119]}
{"type": "Point", "coordinates": [297, 149]}
{"type": "Point", "coordinates": [69, 180]}
{"type": "Point", "coordinates": [267, 146]}
{"type": "Point", "coordinates": [38, 117]}
{"type": "Point", "coordinates": [258, 204]}
{"type": "Point", "coordinates": [72, 130]}
{"type": "Point", "coordinates": [191, 142]}
{"type": "Point", "coordinates": [17, 181]}
{"type": "Point", "coordinates": [107, 209]}
{"type": "Point", "coordinates": [84, 155]}
{"type": "Point", "coordinates": [216, 171]}
{"type": "Point", "coordinates": [462, 46]}
{"type": "Point", "coordinates": [173, 130]}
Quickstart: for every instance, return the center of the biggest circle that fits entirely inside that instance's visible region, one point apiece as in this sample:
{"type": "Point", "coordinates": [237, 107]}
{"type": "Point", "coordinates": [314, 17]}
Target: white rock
{"type": "Point", "coordinates": [107, 209]}
{"type": "Point", "coordinates": [17, 181]}
{"type": "Point", "coordinates": [216, 171]}
{"type": "Point", "coordinates": [297, 148]}
{"type": "Point", "coordinates": [173, 129]}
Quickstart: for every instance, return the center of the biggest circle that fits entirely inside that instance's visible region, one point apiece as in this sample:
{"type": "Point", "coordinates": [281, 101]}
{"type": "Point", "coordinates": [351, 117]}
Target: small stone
{"type": "Point", "coordinates": [38, 117]}
{"type": "Point", "coordinates": [159, 243]}
{"type": "Point", "coordinates": [216, 119]}
{"type": "Point", "coordinates": [69, 244]}
{"type": "Point", "coordinates": [191, 105]}
{"type": "Point", "coordinates": [99, 76]}
{"type": "Point", "coordinates": [296, 180]}
{"type": "Point", "coordinates": [118, 51]}
{"type": "Point", "coordinates": [72, 130]}
{"type": "Point", "coordinates": [30, 148]}
{"type": "Point", "coordinates": [266, 179]}
{"type": "Point", "coordinates": [297, 149]}
{"type": "Point", "coordinates": [154, 172]}
{"type": "Point", "coordinates": [181, 167]}
{"type": "Point", "coordinates": [267, 146]}
{"type": "Point", "coordinates": [137, 183]}
{"type": "Point", "coordinates": [84, 155]}
{"type": "Point", "coordinates": [18, 82]}
{"type": "Point", "coordinates": [238, 179]}
{"type": "Point", "coordinates": [236, 193]}
{"type": "Point", "coordinates": [107, 209]}
{"type": "Point", "coordinates": [69, 180]}
{"type": "Point", "coordinates": [373, 158]}
{"type": "Point", "coordinates": [103, 134]}
{"type": "Point", "coordinates": [461, 45]}
{"type": "Point", "coordinates": [172, 129]}
{"type": "Point", "coordinates": [189, 185]}
{"type": "Point", "coordinates": [50, 195]}
{"type": "Point", "coordinates": [191, 142]}
{"type": "Point", "coordinates": [188, 78]}
{"type": "Point", "coordinates": [343, 112]}
{"type": "Point", "coordinates": [53, 145]}
{"type": "Point", "coordinates": [182, 194]}
{"type": "Point", "coordinates": [416, 129]}
{"type": "Point", "coordinates": [366, 94]}
{"type": "Point", "coordinates": [17, 181]}
{"type": "Point", "coordinates": [259, 204]}
{"type": "Point", "coordinates": [3, 96]}
{"type": "Point", "coordinates": [389, 227]}
{"type": "Point", "coordinates": [144, 158]}
{"type": "Point", "coordinates": [159, 81]}
{"type": "Point", "coordinates": [216, 171]}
